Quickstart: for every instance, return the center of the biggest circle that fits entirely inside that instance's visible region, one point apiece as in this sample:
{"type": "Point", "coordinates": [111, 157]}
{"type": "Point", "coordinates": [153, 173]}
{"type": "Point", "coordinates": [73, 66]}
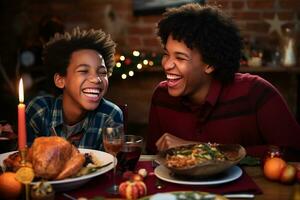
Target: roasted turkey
{"type": "Point", "coordinates": [51, 158]}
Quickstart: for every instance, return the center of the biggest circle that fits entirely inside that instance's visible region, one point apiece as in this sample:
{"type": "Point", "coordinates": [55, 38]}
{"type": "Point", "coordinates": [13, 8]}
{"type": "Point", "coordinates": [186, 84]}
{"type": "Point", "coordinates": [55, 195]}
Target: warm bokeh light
{"type": "Point", "coordinates": [139, 66]}
{"type": "Point", "coordinates": [21, 91]}
{"type": "Point", "coordinates": [130, 73]}
{"type": "Point", "coordinates": [129, 63]}
{"type": "Point", "coordinates": [122, 58]}
{"type": "Point", "coordinates": [151, 63]}
{"type": "Point", "coordinates": [118, 64]}
{"type": "Point", "coordinates": [145, 62]}
{"type": "Point", "coordinates": [124, 76]}
{"type": "Point", "coordinates": [136, 53]}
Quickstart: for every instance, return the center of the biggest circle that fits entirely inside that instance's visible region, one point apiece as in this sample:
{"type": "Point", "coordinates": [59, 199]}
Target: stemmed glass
{"type": "Point", "coordinates": [113, 139]}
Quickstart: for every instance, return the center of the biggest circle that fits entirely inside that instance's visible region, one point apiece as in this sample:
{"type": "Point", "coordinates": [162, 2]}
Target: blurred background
{"type": "Point", "coordinates": [270, 30]}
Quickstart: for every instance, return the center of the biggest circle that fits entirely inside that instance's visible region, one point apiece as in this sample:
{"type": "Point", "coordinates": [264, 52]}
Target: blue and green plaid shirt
{"type": "Point", "coordinates": [44, 117]}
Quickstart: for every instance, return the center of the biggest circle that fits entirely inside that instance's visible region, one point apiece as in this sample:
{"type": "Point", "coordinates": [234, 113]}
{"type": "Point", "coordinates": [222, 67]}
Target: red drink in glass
{"type": "Point", "coordinates": [130, 153]}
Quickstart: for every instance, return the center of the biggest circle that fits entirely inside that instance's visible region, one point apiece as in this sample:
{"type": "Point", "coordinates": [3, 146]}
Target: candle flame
{"type": "Point", "coordinates": [21, 91]}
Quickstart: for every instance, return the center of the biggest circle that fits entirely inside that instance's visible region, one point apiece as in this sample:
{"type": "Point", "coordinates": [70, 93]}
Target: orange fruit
{"type": "Point", "coordinates": [273, 168]}
{"type": "Point", "coordinates": [10, 188]}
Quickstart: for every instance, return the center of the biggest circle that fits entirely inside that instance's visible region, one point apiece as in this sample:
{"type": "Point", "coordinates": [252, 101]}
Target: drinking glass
{"type": "Point", "coordinates": [113, 139]}
{"type": "Point", "coordinates": [129, 153]}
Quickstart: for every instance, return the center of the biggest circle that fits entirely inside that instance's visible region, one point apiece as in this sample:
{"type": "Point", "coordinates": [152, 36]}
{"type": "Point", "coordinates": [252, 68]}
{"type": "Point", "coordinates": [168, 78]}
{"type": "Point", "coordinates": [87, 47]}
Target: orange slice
{"type": "Point", "coordinates": [25, 175]}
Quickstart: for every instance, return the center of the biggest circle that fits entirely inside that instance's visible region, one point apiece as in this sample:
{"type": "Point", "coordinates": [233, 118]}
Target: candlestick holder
{"type": "Point", "coordinates": [23, 155]}
{"type": "Point", "coordinates": [25, 174]}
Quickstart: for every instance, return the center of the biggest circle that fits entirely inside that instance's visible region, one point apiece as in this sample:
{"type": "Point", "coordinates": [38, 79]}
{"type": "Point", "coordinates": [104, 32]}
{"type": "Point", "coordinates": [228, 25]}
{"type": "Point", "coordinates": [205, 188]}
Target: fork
{"type": "Point", "coordinates": [158, 183]}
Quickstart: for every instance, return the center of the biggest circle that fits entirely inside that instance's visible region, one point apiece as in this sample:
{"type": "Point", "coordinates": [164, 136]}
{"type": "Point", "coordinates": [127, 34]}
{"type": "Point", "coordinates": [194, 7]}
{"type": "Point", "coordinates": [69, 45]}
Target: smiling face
{"type": "Point", "coordinates": [85, 82]}
{"type": "Point", "coordinates": [187, 74]}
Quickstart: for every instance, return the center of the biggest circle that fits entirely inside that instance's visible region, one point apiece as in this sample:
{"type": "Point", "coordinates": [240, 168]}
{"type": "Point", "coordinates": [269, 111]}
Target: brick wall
{"type": "Point", "coordinates": [131, 32]}
{"type": "Point", "coordinates": [138, 32]}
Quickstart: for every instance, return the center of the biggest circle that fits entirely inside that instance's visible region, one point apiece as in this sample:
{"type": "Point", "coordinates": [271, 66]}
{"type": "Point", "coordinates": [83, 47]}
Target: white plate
{"type": "Point", "coordinates": [72, 183]}
{"type": "Point", "coordinates": [183, 195]}
{"type": "Point", "coordinates": [231, 174]}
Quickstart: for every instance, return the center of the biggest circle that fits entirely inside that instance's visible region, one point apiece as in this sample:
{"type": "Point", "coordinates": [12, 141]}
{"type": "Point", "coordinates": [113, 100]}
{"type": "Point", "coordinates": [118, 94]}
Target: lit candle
{"type": "Point", "coordinates": [21, 118]}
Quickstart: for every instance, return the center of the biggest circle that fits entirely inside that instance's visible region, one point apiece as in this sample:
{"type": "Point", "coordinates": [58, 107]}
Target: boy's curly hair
{"type": "Point", "coordinates": [57, 52]}
{"type": "Point", "coordinates": [210, 31]}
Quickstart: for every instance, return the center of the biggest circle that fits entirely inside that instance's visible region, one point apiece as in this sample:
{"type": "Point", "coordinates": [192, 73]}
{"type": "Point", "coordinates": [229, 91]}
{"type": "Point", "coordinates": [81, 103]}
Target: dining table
{"type": "Point", "coordinates": [271, 189]}
{"type": "Point", "coordinates": [252, 182]}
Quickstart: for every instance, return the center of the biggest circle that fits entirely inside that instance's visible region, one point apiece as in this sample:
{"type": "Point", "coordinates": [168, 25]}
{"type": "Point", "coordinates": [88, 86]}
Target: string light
{"type": "Point", "coordinates": [130, 73]}
{"type": "Point", "coordinates": [123, 76]}
{"type": "Point", "coordinates": [151, 63]}
{"type": "Point", "coordinates": [132, 63]}
{"type": "Point", "coordinates": [122, 58]}
{"type": "Point", "coordinates": [136, 53]}
{"type": "Point", "coordinates": [145, 62]}
{"type": "Point", "coordinates": [139, 66]}
{"type": "Point", "coordinates": [118, 64]}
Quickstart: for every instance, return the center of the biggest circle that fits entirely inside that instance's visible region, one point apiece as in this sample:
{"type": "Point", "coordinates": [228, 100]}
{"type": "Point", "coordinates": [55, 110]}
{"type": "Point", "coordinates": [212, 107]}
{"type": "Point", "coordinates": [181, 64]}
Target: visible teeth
{"type": "Point", "coordinates": [92, 95]}
{"type": "Point", "coordinates": [172, 76]}
{"type": "Point", "coordinates": [91, 91]}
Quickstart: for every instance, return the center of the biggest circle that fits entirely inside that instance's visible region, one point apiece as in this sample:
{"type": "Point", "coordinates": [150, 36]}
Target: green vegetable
{"type": "Point", "coordinates": [184, 152]}
{"type": "Point", "coordinates": [87, 170]}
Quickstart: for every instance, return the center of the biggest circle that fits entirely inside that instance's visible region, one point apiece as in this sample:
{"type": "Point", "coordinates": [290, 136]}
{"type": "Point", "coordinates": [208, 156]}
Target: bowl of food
{"type": "Point", "coordinates": [201, 159]}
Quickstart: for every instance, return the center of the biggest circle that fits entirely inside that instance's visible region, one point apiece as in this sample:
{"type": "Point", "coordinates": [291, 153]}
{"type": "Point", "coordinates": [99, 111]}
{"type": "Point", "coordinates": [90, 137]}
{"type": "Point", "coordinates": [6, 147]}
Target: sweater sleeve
{"type": "Point", "coordinates": [278, 125]}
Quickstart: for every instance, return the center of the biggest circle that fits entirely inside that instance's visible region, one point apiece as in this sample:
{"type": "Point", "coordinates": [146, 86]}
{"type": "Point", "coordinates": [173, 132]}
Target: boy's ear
{"type": "Point", "coordinates": [59, 81]}
{"type": "Point", "coordinates": [209, 69]}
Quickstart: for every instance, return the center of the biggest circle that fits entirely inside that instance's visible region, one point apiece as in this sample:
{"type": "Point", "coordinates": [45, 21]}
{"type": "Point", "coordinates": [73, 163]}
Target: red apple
{"type": "Point", "coordinates": [288, 174]}
{"type": "Point", "coordinates": [136, 177]}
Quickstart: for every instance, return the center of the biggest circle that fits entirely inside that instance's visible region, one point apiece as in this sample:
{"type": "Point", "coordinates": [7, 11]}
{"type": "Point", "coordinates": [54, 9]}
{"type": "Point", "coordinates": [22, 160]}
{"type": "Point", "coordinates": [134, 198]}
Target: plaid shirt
{"type": "Point", "coordinates": [44, 117]}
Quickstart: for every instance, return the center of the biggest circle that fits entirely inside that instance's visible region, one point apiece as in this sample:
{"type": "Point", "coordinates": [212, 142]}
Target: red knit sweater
{"type": "Point", "coordinates": [249, 111]}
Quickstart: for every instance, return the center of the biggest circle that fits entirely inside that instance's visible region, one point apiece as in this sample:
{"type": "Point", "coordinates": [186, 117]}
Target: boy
{"type": "Point", "coordinates": [205, 99]}
{"type": "Point", "coordinates": [79, 64]}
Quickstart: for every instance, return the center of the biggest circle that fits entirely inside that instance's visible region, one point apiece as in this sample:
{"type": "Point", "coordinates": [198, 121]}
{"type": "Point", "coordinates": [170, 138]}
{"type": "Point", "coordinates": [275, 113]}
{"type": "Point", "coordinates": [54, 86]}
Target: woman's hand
{"type": "Point", "coordinates": [168, 140]}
